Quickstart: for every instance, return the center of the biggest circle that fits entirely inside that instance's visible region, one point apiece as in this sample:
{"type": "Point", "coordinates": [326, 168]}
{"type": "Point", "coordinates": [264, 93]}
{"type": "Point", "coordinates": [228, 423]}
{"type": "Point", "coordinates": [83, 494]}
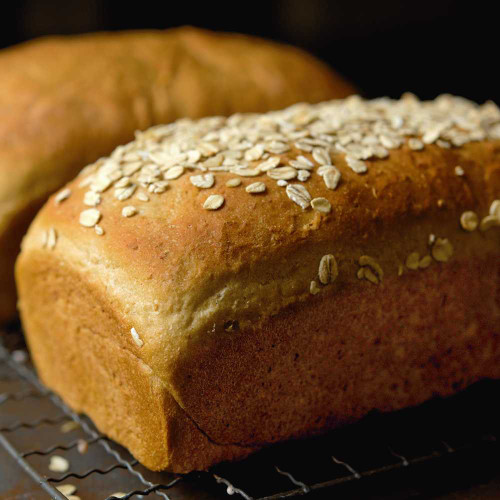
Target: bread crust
{"type": "Point", "coordinates": [102, 377]}
{"type": "Point", "coordinates": [223, 310]}
{"type": "Point", "coordinates": [66, 101]}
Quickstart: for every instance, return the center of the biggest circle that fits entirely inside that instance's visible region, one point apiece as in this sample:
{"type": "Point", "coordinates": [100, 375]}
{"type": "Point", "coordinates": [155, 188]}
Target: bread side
{"type": "Point", "coordinates": [251, 331]}
{"type": "Point", "coordinates": [95, 371]}
{"type": "Point", "coordinates": [66, 101]}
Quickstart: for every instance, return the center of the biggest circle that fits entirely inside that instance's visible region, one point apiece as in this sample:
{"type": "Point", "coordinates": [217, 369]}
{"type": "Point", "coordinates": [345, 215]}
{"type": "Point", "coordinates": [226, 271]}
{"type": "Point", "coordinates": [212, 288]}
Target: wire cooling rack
{"type": "Point", "coordinates": [449, 443]}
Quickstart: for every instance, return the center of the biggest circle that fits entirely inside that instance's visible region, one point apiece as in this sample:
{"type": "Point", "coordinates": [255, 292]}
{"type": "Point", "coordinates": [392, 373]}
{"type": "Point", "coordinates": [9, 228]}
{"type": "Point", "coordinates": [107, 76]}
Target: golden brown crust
{"type": "Point", "coordinates": [331, 361]}
{"type": "Point", "coordinates": [220, 299]}
{"type": "Point", "coordinates": [100, 377]}
{"type": "Point", "coordinates": [66, 101]}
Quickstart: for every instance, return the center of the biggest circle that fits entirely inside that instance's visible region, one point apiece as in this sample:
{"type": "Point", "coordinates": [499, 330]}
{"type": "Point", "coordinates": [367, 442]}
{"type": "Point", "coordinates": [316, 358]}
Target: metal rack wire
{"type": "Point", "coordinates": [31, 420]}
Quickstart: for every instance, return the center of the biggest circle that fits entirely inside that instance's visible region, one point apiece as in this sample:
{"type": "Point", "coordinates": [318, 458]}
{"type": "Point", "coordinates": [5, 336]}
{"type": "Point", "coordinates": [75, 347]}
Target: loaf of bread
{"type": "Point", "coordinates": [219, 285]}
{"type": "Point", "coordinates": [66, 101]}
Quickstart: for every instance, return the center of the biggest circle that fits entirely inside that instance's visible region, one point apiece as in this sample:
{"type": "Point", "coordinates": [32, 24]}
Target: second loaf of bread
{"type": "Point", "coordinates": [219, 285]}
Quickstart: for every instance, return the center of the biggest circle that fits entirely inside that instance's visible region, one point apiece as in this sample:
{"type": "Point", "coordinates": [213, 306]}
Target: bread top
{"type": "Point", "coordinates": [184, 258]}
{"type": "Point", "coordinates": [67, 100]}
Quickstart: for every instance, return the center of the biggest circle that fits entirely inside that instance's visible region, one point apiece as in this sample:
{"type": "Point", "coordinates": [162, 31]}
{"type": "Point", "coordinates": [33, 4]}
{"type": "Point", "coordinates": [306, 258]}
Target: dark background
{"type": "Point", "coordinates": [384, 47]}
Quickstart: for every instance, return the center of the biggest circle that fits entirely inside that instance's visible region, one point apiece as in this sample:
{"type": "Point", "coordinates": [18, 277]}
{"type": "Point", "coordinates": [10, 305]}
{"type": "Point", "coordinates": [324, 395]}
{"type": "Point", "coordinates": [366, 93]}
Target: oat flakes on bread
{"type": "Point", "coordinates": [208, 320]}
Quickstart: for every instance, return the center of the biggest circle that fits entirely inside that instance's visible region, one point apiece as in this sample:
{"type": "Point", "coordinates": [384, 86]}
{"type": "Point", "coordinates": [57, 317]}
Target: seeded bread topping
{"type": "Point", "coordinates": [289, 145]}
